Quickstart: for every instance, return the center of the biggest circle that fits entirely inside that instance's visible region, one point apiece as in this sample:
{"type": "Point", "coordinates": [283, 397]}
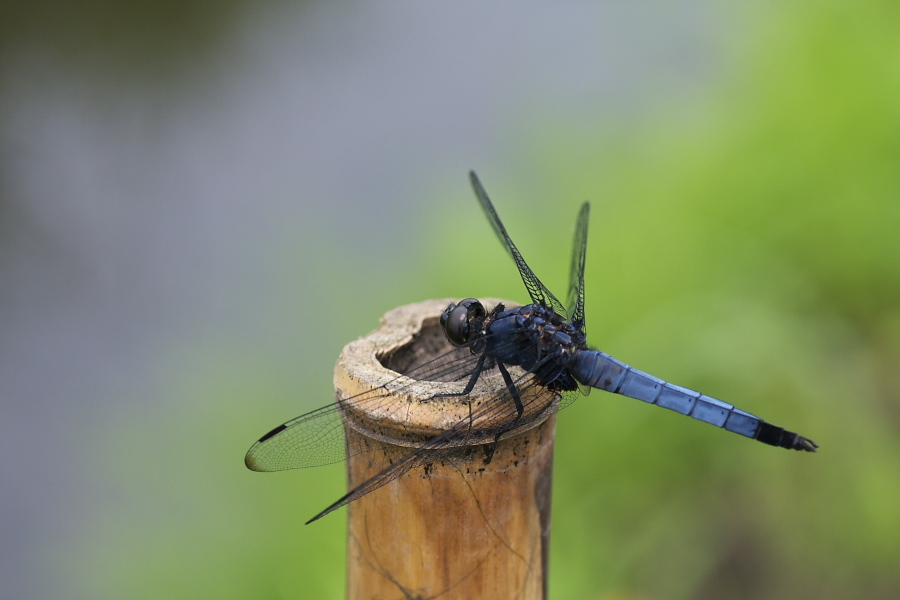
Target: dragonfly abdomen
{"type": "Point", "coordinates": [600, 370]}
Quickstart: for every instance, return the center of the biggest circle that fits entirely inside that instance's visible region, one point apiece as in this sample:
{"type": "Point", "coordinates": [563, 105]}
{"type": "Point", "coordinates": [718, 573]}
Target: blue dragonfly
{"type": "Point", "coordinates": [541, 353]}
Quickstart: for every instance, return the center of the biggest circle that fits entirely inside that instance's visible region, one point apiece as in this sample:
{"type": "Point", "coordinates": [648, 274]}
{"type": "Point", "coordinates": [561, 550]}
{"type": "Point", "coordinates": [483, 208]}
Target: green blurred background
{"type": "Point", "coordinates": [200, 203]}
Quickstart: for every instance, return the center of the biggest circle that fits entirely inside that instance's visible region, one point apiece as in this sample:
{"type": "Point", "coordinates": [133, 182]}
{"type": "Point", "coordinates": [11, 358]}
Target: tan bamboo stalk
{"type": "Point", "coordinates": [461, 526]}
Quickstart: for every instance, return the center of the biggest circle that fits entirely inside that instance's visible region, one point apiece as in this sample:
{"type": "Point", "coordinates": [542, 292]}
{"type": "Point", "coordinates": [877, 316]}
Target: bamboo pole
{"type": "Point", "coordinates": [462, 526]}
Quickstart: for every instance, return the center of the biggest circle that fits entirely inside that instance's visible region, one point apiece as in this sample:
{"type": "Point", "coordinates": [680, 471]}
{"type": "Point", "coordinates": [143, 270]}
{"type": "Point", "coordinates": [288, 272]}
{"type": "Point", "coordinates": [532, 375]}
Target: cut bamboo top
{"type": "Point", "coordinates": [408, 336]}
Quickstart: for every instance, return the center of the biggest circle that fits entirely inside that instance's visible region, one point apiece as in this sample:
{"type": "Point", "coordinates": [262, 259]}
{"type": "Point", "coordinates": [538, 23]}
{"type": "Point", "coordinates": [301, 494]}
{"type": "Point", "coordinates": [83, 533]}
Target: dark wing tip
{"type": "Point", "coordinates": [340, 502]}
{"type": "Point", "coordinates": [316, 518]}
{"type": "Point", "coordinates": [251, 459]}
{"type": "Point", "coordinates": [272, 433]}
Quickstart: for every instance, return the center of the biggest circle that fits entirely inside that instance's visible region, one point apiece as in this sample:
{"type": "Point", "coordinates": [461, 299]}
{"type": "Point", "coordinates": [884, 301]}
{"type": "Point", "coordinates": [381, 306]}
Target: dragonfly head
{"type": "Point", "coordinates": [456, 319]}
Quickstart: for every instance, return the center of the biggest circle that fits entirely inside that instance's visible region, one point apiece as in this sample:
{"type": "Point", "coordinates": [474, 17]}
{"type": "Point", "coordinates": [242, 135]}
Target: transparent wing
{"type": "Point", "coordinates": [538, 292]}
{"type": "Point", "coordinates": [493, 420]}
{"type": "Point", "coordinates": [575, 300]}
{"type": "Point", "coordinates": [317, 438]}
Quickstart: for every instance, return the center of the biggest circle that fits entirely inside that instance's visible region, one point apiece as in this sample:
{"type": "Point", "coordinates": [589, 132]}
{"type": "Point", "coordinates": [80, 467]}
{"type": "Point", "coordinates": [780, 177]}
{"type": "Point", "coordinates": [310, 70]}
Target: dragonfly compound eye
{"type": "Point", "coordinates": [456, 325]}
{"type": "Point", "coordinates": [455, 320]}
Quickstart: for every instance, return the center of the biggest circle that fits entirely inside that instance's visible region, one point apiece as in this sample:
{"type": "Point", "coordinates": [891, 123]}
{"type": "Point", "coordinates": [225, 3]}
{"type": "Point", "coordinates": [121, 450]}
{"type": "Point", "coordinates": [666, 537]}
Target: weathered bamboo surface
{"type": "Point", "coordinates": [470, 524]}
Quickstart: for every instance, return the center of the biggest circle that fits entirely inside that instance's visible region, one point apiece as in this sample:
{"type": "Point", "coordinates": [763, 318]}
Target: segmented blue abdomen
{"type": "Point", "coordinates": [600, 370]}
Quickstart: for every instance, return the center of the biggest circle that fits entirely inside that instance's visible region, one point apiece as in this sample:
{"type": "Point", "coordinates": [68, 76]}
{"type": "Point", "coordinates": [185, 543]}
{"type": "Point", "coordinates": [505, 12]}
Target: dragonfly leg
{"type": "Point", "coordinates": [470, 385]}
{"type": "Point", "coordinates": [520, 410]}
{"type": "Point", "coordinates": [513, 390]}
{"type": "Point", "coordinates": [473, 379]}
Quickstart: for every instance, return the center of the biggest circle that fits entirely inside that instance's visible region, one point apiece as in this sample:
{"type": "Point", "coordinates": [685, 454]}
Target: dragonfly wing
{"type": "Point", "coordinates": [317, 438]}
{"type": "Point", "coordinates": [387, 475]}
{"type": "Point", "coordinates": [313, 439]}
{"type": "Point", "coordinates": [537, 290]}
{"type": "Point", "coordinates": [575, 300]}
{"type": "Point", "coordinates": [496, 418]}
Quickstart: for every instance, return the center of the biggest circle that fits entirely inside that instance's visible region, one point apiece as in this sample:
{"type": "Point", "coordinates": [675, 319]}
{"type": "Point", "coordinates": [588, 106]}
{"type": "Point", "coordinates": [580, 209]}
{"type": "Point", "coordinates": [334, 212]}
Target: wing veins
{"type": "Point", "coordinates": [498, 407]}
{"type": "Point", "coordinates": [575, 300]}
{"type": "Point", "coordinates": [537, 290]}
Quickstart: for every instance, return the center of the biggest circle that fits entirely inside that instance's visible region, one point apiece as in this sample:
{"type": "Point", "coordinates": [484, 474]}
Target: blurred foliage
{"type": "Point", "coordinates": [134, 38]}
{"type": "Point", "coordinates": [748, 246]}
{"type": "Point", "coordinates": [744, 243]}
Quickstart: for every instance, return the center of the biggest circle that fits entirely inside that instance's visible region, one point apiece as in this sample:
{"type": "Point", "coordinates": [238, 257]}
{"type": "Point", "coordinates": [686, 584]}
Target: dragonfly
{"type": "Point", "coordinates": [540, 351]}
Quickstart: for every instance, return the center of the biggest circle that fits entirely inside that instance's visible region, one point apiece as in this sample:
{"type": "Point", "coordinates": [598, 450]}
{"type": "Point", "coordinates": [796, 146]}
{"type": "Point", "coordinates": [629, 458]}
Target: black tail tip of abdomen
{"type": "Point", "coordinates": [778, 436]}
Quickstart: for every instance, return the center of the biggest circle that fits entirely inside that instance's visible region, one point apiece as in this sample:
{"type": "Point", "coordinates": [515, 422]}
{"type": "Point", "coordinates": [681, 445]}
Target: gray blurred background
{"type": "Point", "coordinates": [201, 203]}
